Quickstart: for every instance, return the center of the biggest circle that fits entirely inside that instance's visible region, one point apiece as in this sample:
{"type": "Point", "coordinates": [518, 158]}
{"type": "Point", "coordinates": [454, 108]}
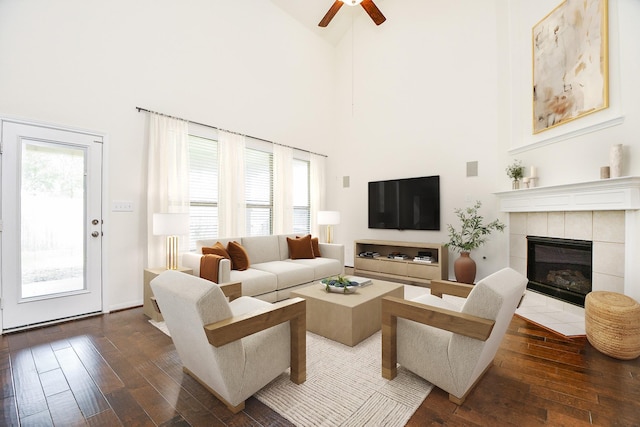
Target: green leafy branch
{"type": "Point", "coordinates": [515, 170]}
{"type": "Point", "coordinates": [473, 232]}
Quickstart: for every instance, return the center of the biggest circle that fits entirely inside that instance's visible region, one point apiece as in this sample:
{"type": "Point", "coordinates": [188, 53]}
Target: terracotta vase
{"type": "Point", "coordinates": [464, 267]}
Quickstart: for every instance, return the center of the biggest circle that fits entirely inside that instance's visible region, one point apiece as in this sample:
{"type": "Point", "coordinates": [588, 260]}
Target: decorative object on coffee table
{"type": "Point", "coordinates": [340, 284]}
{"type": "Point", "coordinates": [471, 235]}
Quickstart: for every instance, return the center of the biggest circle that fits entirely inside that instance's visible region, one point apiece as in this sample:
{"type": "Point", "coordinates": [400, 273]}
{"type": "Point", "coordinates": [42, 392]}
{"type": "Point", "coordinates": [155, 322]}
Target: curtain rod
{"type": "Point", "coordinates": [224, 130]}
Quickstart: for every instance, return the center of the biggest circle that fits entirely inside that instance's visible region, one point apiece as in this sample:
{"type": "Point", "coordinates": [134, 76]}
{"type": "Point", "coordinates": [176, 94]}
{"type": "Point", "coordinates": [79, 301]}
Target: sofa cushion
{"type": "Point", "coordinates": [322, 267]}
{"type": "Point", "coordinates": [300, 247]}
{"type": "Point", "coordinates": [288, 273]}
{"type": "Point", "coordinates": [255, 282]}
{"type": "Point", "coordinates": [262, 248]}
{"type": "Point", "coordinates": [217, 249]}
{"type": "Point", "coordinates": [239, 256]}
{"type": "Point", "coordinates": [224, 241]}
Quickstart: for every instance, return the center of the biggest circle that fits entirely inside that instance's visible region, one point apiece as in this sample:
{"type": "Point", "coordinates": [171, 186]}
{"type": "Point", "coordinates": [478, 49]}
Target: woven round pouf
{"type": "Point", "coordinates": [612, 323]}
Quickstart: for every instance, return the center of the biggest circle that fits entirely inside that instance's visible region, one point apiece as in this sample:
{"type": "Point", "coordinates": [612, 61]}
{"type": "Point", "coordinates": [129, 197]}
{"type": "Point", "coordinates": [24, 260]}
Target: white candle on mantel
{"type": "Point", "coordinates": [533, 172]}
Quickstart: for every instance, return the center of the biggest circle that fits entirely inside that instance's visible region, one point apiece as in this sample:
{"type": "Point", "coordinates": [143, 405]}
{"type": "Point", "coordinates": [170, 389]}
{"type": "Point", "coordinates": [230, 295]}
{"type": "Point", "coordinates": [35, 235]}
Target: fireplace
{"type": "Point", "coordinates": [560, 268]}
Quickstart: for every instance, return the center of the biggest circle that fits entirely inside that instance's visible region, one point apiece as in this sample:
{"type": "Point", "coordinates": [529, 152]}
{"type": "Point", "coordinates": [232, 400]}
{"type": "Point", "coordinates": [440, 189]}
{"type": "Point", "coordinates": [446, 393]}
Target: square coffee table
{"type": "Point", "coordinates": [346, 318]}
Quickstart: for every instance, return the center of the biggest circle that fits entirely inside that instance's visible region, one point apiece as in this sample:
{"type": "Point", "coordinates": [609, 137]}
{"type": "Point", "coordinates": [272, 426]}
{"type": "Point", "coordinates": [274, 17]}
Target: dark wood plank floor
{"type": "Point", "coordinates": [117, 369]}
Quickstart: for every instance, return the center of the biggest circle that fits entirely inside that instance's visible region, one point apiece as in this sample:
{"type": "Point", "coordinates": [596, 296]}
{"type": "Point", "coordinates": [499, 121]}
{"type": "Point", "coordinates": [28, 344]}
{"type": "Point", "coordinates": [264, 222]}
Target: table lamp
{"type": "Point", "coordinates": [329, 218]}
{"type": "Point", "coordinates": [171, 225]}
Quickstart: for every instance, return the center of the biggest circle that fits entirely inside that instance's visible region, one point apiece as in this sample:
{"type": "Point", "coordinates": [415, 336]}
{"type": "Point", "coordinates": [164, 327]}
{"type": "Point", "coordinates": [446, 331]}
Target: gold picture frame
{"type": "Point", "coordinates": [570, 63]}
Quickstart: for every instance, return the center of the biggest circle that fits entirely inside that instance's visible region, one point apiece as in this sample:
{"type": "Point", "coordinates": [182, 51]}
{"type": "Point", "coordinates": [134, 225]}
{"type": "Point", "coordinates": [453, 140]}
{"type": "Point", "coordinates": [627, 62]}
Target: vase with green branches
{"type": "Point", "coordinates": [515, 171]}
{"type": "Point", "coordinates": [472, 234]}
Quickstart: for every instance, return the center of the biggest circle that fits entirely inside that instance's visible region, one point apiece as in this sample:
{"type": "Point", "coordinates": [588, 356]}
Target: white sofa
{"type": "Point", "coordinates": [272, 274]}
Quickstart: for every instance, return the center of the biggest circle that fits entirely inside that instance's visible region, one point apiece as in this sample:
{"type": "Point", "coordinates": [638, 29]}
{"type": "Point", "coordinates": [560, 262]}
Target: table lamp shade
{"type": "Point", "coordinates": [171, 225]}
{"type": "Point", "coordinates": [329, 218]}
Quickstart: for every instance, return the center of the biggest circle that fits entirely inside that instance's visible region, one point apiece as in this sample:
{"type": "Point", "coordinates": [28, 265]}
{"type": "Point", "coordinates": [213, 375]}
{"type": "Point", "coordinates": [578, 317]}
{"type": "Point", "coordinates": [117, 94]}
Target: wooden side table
{"type": "Point", "coordinates": [149, 275]}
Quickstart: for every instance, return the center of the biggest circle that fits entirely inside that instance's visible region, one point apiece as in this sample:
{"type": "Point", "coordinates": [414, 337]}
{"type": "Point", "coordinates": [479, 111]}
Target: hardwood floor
{"type": "Point", "coordinates": [117, 369]}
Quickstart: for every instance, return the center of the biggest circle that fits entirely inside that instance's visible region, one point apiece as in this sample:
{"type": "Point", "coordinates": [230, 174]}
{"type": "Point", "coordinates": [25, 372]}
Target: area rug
{"type": "Point", "coordinates": [344, 387]}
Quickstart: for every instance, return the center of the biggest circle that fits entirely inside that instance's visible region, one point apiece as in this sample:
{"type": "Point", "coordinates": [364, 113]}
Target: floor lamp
{"type": "Point", "coordinates": [171, 225]}
{"type": "Point", "coordinates": [329, 218]}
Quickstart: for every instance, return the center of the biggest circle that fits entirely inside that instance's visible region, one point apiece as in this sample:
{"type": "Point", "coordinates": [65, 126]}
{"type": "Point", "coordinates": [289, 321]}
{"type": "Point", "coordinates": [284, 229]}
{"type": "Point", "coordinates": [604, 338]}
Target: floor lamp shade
{"type": "Point", "coordinates": [171, 225]}
{"type": "Point", "coordinates": [329, 218]}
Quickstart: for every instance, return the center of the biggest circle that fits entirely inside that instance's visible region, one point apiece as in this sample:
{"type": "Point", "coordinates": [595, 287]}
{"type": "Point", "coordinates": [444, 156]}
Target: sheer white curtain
{"type": "Point", "coordinates": [167, 178]}
{"type": "Point", "coordinates": [317, 188]}
{"type": "Point", "coordinates": [282, 189]}
{"type": "Point", "coordinates": [231, 199]}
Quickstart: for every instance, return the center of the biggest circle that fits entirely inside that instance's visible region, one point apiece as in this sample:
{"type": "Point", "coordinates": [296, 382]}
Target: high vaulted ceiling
{"type": "Point", "coordinates": [310, 12]}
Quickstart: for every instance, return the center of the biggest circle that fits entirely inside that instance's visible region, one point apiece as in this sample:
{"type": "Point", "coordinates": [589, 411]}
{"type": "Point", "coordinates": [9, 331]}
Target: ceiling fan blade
{"type": "Point", "coordinates": [331, 13]}
{"type": "Point", "coordinates": [373, 11]}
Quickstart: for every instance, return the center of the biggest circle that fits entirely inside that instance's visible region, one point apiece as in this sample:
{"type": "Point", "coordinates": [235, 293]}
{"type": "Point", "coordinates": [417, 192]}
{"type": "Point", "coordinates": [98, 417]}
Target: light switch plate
{"type": "Point", "coordinates": [122, 206]}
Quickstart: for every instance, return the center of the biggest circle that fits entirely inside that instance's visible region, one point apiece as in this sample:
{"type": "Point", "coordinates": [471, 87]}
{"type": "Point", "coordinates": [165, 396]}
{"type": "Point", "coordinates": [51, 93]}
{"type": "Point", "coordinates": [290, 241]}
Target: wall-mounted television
{"type": "Point", "coordinates": [405, 204]}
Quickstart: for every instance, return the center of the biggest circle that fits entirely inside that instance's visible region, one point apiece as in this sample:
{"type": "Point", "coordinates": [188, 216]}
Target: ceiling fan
{"type": "Point", "coordinates": [367, 5]}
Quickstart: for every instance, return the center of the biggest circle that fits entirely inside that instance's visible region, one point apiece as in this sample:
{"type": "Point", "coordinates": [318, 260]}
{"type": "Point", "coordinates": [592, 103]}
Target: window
{"type": "Point", "coordinates": [259, 191]}
{"type": "Point", "coordinates": [203, 189]}
{"type": "Point", "coordinates": [301, 199]}
{"type": "Point", "coordinates": [259, 178]}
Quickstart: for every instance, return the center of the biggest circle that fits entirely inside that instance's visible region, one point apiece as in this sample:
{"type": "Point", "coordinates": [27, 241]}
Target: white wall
{"type": "Point", "coordinates": [443, 83]}
{"type": "Point", "coordinates": [244, 66]}
{"type": "Point", "coordinates": [418, 96]}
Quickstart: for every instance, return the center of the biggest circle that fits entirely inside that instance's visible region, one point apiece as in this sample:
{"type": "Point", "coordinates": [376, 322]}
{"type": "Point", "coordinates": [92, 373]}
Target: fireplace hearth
{"type": "Point", "coordinates": [560, 268]}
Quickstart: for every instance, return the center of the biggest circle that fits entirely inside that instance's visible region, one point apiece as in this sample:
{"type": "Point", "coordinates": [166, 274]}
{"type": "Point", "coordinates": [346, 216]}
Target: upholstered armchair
{"type": "Point", "coordinates": [448, 345]}
{"type": "Point", "coordinates": [232, 347]}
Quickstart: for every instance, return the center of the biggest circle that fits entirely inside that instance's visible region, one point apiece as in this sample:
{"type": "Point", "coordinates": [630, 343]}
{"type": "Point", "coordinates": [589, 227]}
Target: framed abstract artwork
{"type": "Point", "coordinates": [570, 63]}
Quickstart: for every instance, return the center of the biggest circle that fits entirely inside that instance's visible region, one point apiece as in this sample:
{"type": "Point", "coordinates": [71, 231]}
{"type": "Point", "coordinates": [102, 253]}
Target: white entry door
{"type": "Point", "coordinates": [51, 257]}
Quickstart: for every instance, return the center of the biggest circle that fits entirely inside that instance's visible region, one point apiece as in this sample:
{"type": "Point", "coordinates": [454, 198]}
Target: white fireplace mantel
{"type": "Point", "coordinates": [602, 195]}
{"type": "Point", "coordinates": [613, 194]}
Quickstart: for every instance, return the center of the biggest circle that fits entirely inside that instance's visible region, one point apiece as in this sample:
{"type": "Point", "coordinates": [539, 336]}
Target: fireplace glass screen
{"type": "Point", "coordinates": [560, 268]}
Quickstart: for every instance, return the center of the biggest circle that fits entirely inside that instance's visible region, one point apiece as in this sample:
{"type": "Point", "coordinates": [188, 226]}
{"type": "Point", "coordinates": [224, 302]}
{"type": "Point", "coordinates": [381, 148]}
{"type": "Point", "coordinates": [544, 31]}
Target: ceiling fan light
{"type": "Point", "coordinates": [352, 2]}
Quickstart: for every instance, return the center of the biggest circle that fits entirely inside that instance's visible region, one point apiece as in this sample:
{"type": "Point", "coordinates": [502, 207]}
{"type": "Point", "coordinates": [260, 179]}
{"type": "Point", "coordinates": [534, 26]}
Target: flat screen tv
{"type": "Point", "coordinates": [405, 204]}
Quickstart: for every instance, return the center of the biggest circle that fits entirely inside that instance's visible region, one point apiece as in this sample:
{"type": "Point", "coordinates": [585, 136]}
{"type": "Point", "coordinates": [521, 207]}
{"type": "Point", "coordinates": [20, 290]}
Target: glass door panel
{"type": "Point", "coordinates": [52, 219]}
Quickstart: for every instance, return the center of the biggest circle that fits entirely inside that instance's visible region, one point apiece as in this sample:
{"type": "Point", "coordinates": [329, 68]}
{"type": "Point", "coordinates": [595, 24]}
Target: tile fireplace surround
{"type": "Point", "coordinates": [605, 211]}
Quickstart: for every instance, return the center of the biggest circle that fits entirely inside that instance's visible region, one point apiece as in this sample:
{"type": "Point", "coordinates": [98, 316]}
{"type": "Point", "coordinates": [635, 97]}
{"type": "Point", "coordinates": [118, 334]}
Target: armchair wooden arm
{"type": "Point", "coordinates": [453, 321]}
{"type": "Point", "coordinates": [292, 310]}
{"type": "Point", "coordinates": [440, 287]}
{"type": "Point", "coordinates": [231, 290]}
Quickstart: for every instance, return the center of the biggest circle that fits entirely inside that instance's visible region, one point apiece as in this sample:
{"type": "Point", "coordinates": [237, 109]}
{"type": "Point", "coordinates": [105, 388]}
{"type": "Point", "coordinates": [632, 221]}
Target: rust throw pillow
{"type": "Point", "coordinates": [316, 247]}
{"type": "Point", "coordinates": [239, 256]}
{"type": "Point", "coordinates": [217, 249]}
{"type": "Point", "coordinates": [300, 248]}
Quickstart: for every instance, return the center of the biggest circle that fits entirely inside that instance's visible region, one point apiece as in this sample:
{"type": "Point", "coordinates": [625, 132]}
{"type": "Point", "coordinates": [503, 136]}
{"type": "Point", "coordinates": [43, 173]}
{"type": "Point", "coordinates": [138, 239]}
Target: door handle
{"type": "Point", "coordinates": [95, 234]}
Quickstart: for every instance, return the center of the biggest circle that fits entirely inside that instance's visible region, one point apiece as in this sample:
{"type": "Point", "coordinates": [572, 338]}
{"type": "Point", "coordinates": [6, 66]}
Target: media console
{"type": "Point", "coordinates": [408, 261]}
